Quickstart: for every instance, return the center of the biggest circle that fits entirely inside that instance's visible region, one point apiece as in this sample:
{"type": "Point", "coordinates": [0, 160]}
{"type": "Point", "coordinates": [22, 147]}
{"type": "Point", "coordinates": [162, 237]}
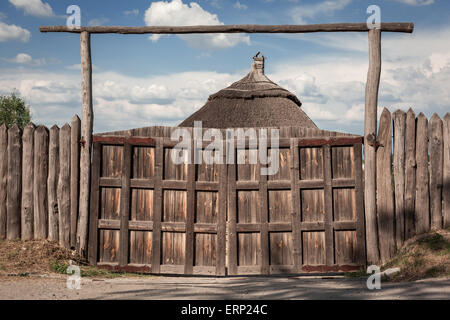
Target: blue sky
{"type": "Point", "coordinates": [141, 80]}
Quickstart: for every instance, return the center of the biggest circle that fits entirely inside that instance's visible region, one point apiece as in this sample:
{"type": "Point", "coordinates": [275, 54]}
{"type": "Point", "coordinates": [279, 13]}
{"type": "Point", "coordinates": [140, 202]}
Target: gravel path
{"type": "Point", "coordinates": [54, 287]}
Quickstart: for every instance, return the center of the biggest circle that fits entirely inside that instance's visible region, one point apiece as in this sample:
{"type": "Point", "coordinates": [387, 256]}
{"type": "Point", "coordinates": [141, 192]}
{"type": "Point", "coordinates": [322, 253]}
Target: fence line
{"type": "Point", "coordinates": [420, 199]}
{"type": "Point", "coordinates": [38, 186]}
{"type": "Point", "coordinates": [40, 176]}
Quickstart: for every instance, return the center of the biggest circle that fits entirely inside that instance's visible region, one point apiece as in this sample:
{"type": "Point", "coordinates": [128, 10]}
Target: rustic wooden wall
{"type": "Point", "coordinates": [35, 182]}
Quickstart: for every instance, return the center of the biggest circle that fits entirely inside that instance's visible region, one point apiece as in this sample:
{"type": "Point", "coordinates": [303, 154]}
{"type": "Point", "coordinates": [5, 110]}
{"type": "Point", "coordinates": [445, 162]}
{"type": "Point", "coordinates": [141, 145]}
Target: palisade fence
{"type": "Point", "coordinates": [413, 181]}
{"type": "Point", "coordinates": [39, 182]}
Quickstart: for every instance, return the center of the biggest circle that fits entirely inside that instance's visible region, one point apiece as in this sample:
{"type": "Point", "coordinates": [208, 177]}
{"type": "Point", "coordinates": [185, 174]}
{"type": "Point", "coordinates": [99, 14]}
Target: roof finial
{"type": "Point", "coordinates": [258, 63]}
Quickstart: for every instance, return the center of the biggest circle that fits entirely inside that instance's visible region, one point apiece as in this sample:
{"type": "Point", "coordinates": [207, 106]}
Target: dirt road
{"type": "Point", "coordinates": [219, 288]}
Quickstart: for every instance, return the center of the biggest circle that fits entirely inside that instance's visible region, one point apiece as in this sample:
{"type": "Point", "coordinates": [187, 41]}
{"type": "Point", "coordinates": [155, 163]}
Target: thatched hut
{"type": "Point", "coordinates": [253, 101]}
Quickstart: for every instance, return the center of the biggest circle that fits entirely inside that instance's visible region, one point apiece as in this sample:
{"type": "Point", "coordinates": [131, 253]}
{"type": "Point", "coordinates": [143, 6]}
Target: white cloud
{"type": "Point", "coordinates": [11, 32]}
{"type": "Point", "coordinates": [133, 12]}
{"type": "Point", "coordinates": [415, 73]}
{"type": "Point", "coordinates": [98, 21]}
{"type": "Point", "coordinates": [303, 13]}
{"type": "Point", "coordinates": [417, 2]}
{"type": "Point", "coordinates": [26, 59]}
{"type": "Point", "coordinates": [176, 13]}
{"type": "Point", "coordinates": [35, 8]}
{"type": "Point", "coordinates": [240, 6]}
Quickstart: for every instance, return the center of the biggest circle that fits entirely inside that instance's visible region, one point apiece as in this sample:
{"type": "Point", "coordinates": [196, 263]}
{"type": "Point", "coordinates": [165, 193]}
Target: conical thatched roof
{"type": "Point", "coordinates": [253, 101]}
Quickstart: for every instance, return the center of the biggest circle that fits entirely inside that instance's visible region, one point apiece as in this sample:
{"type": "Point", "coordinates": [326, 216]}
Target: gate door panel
{"type": "Point", "coordinates": [149, 214]}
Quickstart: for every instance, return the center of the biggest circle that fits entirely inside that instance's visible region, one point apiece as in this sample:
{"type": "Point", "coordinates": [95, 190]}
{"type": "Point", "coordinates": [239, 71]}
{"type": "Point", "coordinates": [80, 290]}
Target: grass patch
{"type": "Point", "coordinates": [356, 274]}
{"type": "Point", "coordinates": [427, 257]}
{"type": "Point", "coordinates": [59, 266]}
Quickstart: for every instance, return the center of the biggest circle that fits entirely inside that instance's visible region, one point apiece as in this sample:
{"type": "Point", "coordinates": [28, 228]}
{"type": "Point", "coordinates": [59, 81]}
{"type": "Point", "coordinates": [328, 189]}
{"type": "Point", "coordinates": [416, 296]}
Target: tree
{"type": "Point", "coordinates": [13, 110]}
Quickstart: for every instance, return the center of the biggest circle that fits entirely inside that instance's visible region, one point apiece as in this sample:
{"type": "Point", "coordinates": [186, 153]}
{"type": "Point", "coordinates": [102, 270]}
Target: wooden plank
{"type": "Point", "coordinates": [157, 207]}
{"type": "Point", "coordinates": [410, 174]}
{"type": "Point", "coordinates": [436, 171]}
{"type": "Point", "coordinates": [14, 184]}
{"type": "Point", "coordinates": [86, 138]}
{"type": "Point", "coordinates": [3, 178]}
{"type": "Point", "coordinates": [446, 173]}
{"type": "Point", "coordinates": [40, 183]}
{"type": "Point", "coordinates": [109, 224]}
{"type": "Point", "coordinates": [232, 215]}
{"type": "Point", "coordinates": [328, 194]}
{"type": "Point", "coordinates": [331, 141]}
{"type": "Point", "coordinates": [370, 133]}
{"type": "Point", "coordinates": [190, 215]}
{"type": "Point", "coordinates": [94, 205]}
{"type": "Point", "coordinates": [385, 193]}
{"type": "Point", "coordinates": [399, 119]}
{"type": "Point", "coordinates": [331, 27]}
{"type": "Point", "coordinates": [263, 220]}
{"type": "Point", "coordinates": [125, 205]}
{"type": "Point", "coordinates": [296, 205]}
{"type": "Point", "coordinates": [27, 216]}
{"type": "Point", "coordinates": [52, 184]}
{"type": "Point", "coordinates": [120, 140]}
{"type": "Point", "coordinates": [359, 190]}
{"type": "Point", "coordinates": [75, 137]}
{"type": "Point", "coordinates": [222, 218]}
{"type": "Point", "coordinates": [63, 191]}
{"type": "Point", "coordinates": [422, 188]}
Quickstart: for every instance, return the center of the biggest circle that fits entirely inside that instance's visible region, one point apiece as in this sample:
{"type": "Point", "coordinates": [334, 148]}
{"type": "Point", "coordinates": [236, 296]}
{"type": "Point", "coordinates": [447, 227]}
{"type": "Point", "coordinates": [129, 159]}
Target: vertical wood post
{"type": "Point", "coordinates": [370, 133]}
{"type": "Point", "coordinates": [399, 119]}
{"type": "Point", "coordinates": [422, 187]}
{"type": "Point", "coordinates": [385, 193]}
{"type": "Point", "coordinates": [436, 171]}
{"type": "Point", "coordinates": [40, 183]}
{"type": "Point", "coordinates": [446, 174]}
{"type": "Point", "coordinates": [95, 195]}
{"type": "Point", "coordinates": [52, 184]}
{"type": "Point", "coordinates": [63, 191]}
{"type": "Point", "coordinates": [3, 178]}
{"type": "Point", "coordinates": [86, 139]}
{"type": "Point", "coordinates": [27, 216]}
{"type": "Point", "coordinates": [14, 187]}
{"type": "Point", "coordinates": [74, 177]}
{"type": "Point", "coordinates": [410, 175]}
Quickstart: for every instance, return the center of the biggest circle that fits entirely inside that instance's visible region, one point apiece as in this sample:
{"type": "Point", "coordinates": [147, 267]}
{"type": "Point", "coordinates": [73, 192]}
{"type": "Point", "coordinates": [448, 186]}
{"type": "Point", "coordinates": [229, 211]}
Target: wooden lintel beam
{"type": "Point", "coordinates": [404, 27]}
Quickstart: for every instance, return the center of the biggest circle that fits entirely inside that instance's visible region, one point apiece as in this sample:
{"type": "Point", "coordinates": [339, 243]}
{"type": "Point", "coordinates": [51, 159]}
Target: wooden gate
{"type": "Point", "coordinates": [151, 215]}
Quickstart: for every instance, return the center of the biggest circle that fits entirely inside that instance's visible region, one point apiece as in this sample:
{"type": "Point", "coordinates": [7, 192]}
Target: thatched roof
{"type": "Point", "coordinates": [253, 101]}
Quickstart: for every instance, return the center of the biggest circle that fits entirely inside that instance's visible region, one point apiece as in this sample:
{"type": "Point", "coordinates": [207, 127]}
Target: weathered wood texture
{"type": "Point", "coordinates": [86, 137]}
{"type": "Point", "coordinates": [40, 201]}
{"type": "Point", "coordinates": [436, 171]}
{"type": "Point", "coordinates": [3, 179]}
{"type": "Point", "coordinates": [385, 192]}
{"type": "Point", "coordinates": [399, 126]}
{"type": "Point", "coordinates": [422, 177]}
{"type": "Point", "coordinates": [410, 174]}
{"type": "Point", "coordinates": [52, 184]}
{"type": "Point", "coordinates": [63, 190]}
{"type": "Point", "coordinates": [75, 137]}
{"type": "Point", "coordinates": [178, 212]}
{"type": "Point", "coordinates": [27, 216]}
{"type": "Point", "coordinates": [370, 133]}
{"type": "Point", "coordinates": [332, 27]}
{"type": "Point", "coordinates": [446, 173]}
{"type": "Point", "coordinates": [14, 184]}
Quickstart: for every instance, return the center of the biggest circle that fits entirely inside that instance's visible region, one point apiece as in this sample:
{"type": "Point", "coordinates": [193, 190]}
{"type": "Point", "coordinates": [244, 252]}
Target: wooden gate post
{"type": "Point", "coordinates": [370, 134]}
{"type": "Point", "coordinates": [86, 140]}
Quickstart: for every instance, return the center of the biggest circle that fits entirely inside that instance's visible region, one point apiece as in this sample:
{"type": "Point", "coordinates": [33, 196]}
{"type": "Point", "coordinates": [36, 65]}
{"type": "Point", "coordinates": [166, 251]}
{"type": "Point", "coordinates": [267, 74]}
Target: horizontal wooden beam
{"type": "Point", "coordinates": [407, 27]}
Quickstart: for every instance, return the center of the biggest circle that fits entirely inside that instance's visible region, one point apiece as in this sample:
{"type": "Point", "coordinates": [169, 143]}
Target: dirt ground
{"type": "Point", "coordinates": [168, 288]}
